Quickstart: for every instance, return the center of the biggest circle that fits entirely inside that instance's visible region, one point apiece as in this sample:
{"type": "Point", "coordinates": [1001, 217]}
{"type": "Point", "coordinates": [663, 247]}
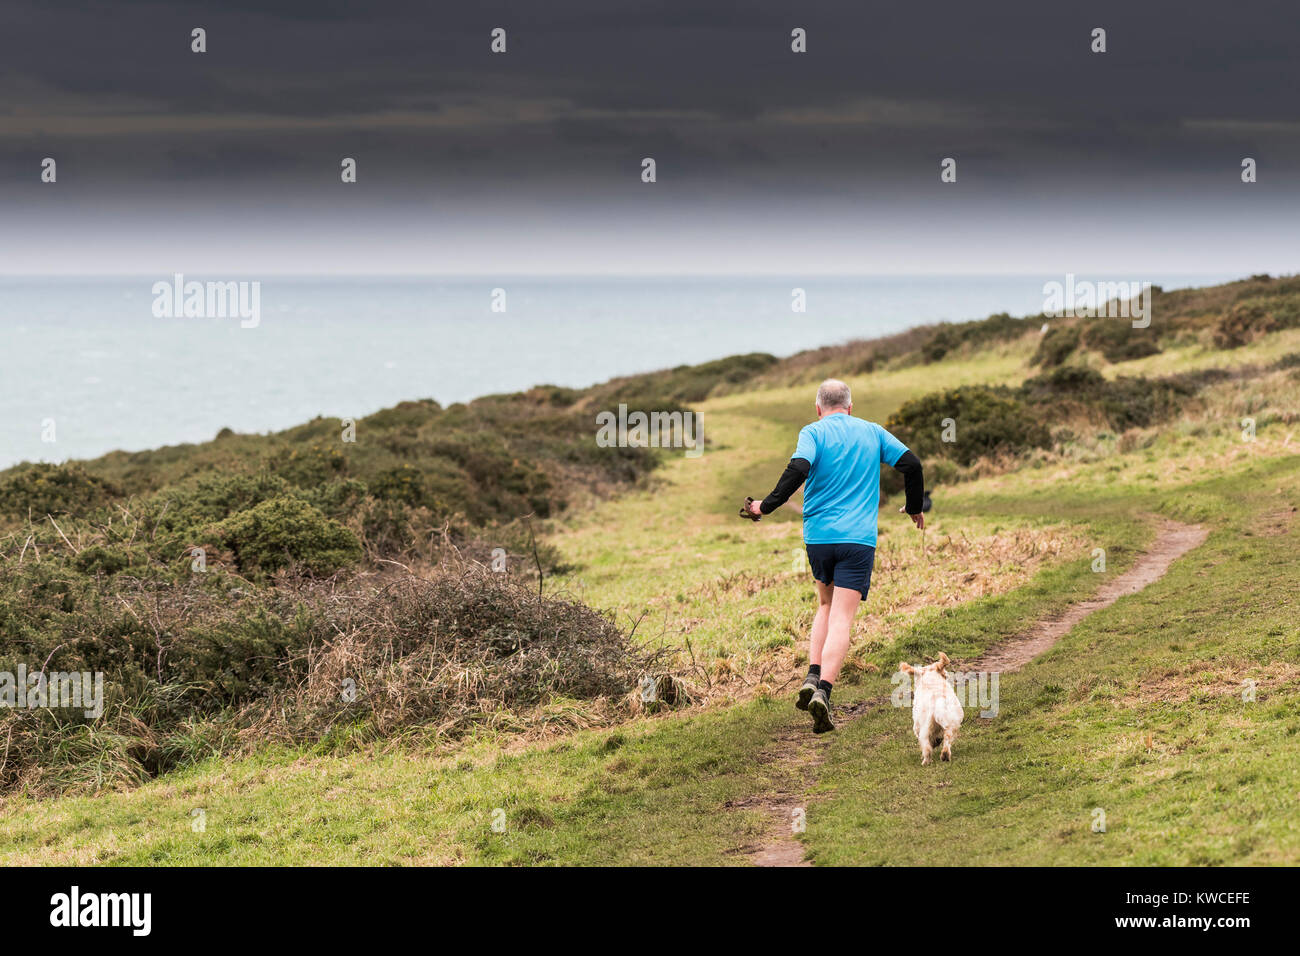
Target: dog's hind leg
{"type": "Point", "coordinates": [949, 735]}
{"type": "Point", "coordinates": [926, 736]}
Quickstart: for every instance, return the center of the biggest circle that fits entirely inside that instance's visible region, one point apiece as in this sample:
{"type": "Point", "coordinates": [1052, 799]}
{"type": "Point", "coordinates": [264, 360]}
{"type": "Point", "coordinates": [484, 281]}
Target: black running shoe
{"type": "Point", "coordinates": [806, 692]}
{"type": "Point", "coordinates": [820, 708]}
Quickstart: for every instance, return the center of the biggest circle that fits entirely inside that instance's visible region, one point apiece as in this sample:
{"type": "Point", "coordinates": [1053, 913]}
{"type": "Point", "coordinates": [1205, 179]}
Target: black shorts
{"type": "Point", "coordinates": [843, 565]}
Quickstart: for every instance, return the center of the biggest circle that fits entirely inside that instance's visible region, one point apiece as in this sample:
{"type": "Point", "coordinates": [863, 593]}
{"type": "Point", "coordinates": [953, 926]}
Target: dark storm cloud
{"type": "Point", "coordinates": [767, 159]}
{"type": "Point", "coordinates": [709, 82]}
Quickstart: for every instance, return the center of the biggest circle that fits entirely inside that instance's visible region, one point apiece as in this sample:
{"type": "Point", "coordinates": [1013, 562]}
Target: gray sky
{"type": "Point", "coordinates": [768, 161]}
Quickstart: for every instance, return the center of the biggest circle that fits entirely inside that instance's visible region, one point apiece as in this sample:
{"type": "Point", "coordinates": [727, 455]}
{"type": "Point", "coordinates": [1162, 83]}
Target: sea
{"type": "Point", "coordinates": [89, 364]}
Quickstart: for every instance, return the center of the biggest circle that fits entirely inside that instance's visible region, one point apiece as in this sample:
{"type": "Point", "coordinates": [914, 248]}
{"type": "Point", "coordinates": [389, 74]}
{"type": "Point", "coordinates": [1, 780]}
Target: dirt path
{"type": "Point", "coordinates": [1173, 540]}
{"type": "Point", "coordinates": [797, 749]}
{"type": "Point", "coordinates": [790, 754]}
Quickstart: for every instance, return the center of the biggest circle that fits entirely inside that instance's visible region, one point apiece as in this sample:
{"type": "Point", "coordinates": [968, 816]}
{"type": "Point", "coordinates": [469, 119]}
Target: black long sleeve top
{"type": "Point", "coordinates": [796, 473]}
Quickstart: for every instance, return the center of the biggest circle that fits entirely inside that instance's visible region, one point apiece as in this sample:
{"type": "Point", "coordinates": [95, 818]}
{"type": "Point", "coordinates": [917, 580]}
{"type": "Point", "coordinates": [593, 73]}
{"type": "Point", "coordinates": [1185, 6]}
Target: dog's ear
{"type": "Point", "coordinates": [906, 668]}
{"type": "Point", "coordinates": [943, 662]}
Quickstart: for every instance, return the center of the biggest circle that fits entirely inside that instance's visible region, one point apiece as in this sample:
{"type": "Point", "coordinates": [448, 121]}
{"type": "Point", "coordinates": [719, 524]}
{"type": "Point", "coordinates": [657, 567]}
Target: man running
{"type": "Point", "coordinates": [840, 457]}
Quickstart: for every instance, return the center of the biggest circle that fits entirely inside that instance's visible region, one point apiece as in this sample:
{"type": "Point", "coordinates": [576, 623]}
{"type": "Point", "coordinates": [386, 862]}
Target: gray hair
{"type": "Point", "coordinates": [833, 393]}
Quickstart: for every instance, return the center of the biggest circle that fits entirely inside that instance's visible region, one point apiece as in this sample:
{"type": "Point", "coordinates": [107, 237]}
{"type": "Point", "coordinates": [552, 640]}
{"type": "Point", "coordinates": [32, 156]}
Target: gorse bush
{"type": "Point", "coordinates": [1070, 380]}
{"type": "Point", "coordinates": [678, 387]}
{"type": "Point", "coordinates": [225, 590]}
{"type": "Point", "coordinates": [491, 461]}
{"type": "Point", "coordinates": [286, 532]}
{"type": "Point", "coordinates": [1142, 402]}
{"type": "Point", "coordinates": [182, 509]}
{"type": "Point", "coordinates": [454, 649]}
{"type": "Point", "coordinates": [53, 489]}
{"type": "Point", "coordinates": [1124, 402]}
{"type": "Point", "coordinates": [405, 484]}
{"type": "Point", "coordinates": [985, 421]}
{"type": "Point", "coordinates": [1255, 316]}
{"type": "Point", "coordinates": [213, 585]}
{"type": "Point", "coordinates": [1227, 316]}
{"type": "Point", "coordinates": [1290, 360]}
{"type": "Point", "coordinates": [1056, 346]}
{"type": "Point", "coordinates": [198, 666]}
{"type": "Point", "coordinates": [1114, 338]}
{"type": "Point", "coordinates": [98, 559]}
{"type": "Point", "coordinates": [948, 337]}
{"type": "Point", "coordinates": [1118, 341]}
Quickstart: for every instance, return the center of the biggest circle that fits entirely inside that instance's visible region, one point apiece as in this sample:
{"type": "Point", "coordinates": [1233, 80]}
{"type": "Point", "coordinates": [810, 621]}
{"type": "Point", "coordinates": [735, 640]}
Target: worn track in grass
{"type": "Point", "coordinates": [797, 749]}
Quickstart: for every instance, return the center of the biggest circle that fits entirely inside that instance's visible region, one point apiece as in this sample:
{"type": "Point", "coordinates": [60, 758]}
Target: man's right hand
{"type": "Point", "coordinates": [919, 521]}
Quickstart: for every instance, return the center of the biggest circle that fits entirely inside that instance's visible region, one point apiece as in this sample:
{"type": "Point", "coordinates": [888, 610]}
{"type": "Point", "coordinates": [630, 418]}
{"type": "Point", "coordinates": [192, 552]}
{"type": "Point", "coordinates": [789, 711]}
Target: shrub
{"type": "Point", "coordinates": [465, 640]}
{"type": "Point", "coordinates": [948, 336]}
{"type": "Point", "coordinates": [987, 421]}
{"type": "Point", "coordinates": [1056, 345]}
{"type": "Point", "coordinates": [185, 507]}
{"type": "Point", "coordinates": [53, 489]}
{"type": "Point", "coordinates": [672, 389]}
{"type": "Point", "coordinates": [1115, 339]}
{"type": "Point", "coordinates": [1118, 341]}
{"type": "Point", "coordinates": [308, 464]}
{"type": "Point", "coordinates": [240, 657]}
{"type": "Point", "coordinates": [1241, 324]}
{"type": "Point", "coordinates": [404, 484]}
{"type": "Point", "coordinates": [98, 559]}
{"type": "Point", "coordinates": [336, 499]}
{"type": "Point", "coordinates": [1073, 380]}
{"type": "Point", "coordinates": [287, 531]}
{"type": "Point", "coordinates": [192, 669]}
{"type": "Point", "coordinates": [1142, 402]}
{"type": "Point", "coordinates": [1124, 403]}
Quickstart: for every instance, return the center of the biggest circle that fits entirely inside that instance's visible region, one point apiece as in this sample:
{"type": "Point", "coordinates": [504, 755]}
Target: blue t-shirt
{"type": "Point", "coordinates": [842, 493]}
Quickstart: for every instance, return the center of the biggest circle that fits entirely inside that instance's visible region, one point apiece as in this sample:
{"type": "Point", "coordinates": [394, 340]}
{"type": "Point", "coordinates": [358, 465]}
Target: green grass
{"type": "Point", "coordinates": [649, 793]}
{"type": "Point", "coordinates": [653, 792]}
{"type": "Point", "coordinates": [1137, 711]}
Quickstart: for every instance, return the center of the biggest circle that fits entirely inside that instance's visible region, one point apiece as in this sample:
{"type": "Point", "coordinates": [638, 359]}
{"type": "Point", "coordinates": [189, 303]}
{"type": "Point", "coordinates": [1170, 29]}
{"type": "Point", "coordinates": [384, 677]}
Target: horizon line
{"type": "Point", "coordinates": [618, 275]}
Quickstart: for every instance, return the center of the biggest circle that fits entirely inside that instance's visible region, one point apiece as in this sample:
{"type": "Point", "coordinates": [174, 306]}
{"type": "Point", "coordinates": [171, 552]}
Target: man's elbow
{"type": "Point", "coordinates": [908, 461]}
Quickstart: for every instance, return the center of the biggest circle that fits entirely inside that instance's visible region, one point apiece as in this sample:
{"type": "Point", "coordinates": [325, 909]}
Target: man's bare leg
{"type": "Point", "coordinates": [817, 640]}
{"type": "Point", "coordinates": [839, 627]}
{"type": "Point", "coordinates": [835, 647]}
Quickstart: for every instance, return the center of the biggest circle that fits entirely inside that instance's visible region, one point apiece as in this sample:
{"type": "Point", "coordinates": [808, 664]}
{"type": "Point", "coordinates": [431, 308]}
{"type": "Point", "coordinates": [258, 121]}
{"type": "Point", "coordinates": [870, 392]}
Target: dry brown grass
{"type": "Point", "coordinates": [1213, 679]}
{"type": "Point", "coordinates": [463, 648]}
{"type": "Point", "coordinates": [371, 658]}
{"type": "Point", "coordinates": [954, 569]}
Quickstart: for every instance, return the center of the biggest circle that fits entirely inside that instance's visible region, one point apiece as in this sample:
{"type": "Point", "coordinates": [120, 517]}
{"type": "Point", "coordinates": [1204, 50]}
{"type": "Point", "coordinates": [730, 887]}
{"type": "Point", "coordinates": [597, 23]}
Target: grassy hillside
{"type": "Point", "coordinates": [1137, 710]}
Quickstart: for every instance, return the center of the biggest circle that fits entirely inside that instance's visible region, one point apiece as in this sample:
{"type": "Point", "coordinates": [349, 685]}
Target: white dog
{"type": "Point", "coordinates": [936, 710]}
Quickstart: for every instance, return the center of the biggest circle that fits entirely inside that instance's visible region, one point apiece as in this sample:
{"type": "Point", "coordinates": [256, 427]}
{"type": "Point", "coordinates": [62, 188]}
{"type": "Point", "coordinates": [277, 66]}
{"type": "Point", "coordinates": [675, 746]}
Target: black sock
{"type": "Point", "coordinates": [826, 686]}
{"type": "Point", "coordinates": [814, 670]}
